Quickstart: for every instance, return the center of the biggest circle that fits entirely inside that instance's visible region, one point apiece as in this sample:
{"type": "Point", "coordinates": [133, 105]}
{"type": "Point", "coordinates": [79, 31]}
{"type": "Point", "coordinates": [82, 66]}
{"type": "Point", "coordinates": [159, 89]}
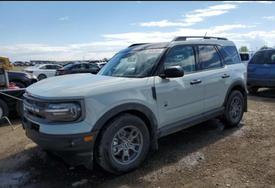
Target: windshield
{"type": "Point", "coordinates": [132, 63]}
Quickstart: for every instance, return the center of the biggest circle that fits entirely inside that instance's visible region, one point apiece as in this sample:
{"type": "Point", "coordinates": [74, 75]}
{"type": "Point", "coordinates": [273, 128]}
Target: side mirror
{"type": "Point", "coordinates": [172, 72]}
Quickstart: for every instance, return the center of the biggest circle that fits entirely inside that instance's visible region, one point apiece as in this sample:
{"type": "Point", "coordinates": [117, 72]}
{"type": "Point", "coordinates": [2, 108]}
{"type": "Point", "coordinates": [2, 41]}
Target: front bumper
{"type": "Point", "coordinates": [72, 148]}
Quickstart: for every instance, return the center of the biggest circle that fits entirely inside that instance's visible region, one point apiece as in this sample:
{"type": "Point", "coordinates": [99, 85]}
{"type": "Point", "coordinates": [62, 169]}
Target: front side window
{"type": "Point", "coordinates": [43, 67]}
{"type": "Point", "coordinates": [182, 56]}
{"type": "Point", "coordinates": [258, 58]}
{"type": "Point", "coordinates": [209, 57]}
{"type": "Point", "coordinates": [270, 56]}
{"type": "Point", "coordinates": [132, 63]}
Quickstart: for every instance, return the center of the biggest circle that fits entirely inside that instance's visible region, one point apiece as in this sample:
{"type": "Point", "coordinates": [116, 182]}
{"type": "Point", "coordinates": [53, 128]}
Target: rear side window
{"type": "Point", "coordinates": [182, 56]}
{"type": "Point", "coordinates": [209, 57]}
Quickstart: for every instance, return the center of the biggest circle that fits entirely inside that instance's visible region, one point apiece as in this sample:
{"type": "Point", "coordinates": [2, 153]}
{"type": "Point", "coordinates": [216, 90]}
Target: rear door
{"type": "Point", "coordinates": [215, 76]}
{"type": "Point", "coordinates": [179, 98]}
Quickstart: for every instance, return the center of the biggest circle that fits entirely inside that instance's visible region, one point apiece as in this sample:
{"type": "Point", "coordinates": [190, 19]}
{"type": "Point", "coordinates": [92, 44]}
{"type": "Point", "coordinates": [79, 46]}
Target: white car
{"type": "Point", "coordinates": [43, 71]}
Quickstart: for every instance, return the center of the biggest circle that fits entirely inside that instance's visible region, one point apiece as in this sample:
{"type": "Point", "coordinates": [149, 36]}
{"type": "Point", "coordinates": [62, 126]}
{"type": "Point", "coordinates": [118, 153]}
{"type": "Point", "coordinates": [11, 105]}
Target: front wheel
{"type": "Point", "coordinates": [234, 109]}
{"type": "Point", "coordinates": [123, 145]}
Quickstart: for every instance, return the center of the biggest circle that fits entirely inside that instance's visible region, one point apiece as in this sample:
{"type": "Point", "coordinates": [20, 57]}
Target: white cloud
{"type": "Point", "coordinates": [270, 18]}
{"type": "Point", "coordinates": [112, 43]}
{"type": "Point", "coordinates": [64, 18]}
{"type": "Point", "coordinates": [242, 2]}
{"type": "Point", "coordinates": [192, 17]}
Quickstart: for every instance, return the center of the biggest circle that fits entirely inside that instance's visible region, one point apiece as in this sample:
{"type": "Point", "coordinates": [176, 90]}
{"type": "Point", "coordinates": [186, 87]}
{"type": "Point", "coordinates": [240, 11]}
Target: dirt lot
{"type": "Point", "coordinates": [206, 155]}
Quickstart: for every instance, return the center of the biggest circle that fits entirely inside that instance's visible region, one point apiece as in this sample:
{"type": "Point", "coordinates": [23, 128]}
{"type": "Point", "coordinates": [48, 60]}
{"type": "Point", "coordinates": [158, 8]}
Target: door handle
{"type": "Point", "coordinates": [225, 76]}
{"type": "Point", "coordinates": [195, 82]}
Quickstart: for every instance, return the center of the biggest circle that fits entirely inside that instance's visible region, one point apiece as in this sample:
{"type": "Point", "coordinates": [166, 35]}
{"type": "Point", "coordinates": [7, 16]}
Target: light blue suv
{"type": "Point", "coordinates": [144, 92]}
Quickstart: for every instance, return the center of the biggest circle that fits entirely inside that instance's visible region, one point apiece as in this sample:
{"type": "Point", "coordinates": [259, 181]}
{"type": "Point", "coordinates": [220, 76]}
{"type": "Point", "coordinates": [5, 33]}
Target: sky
{"type": "Point", "coordinates": [95, 30]}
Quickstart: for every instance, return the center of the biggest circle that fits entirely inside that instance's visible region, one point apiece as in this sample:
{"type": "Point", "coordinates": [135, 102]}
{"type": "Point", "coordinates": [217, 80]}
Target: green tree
{"type": "Point", "coordinates": [243, 49]}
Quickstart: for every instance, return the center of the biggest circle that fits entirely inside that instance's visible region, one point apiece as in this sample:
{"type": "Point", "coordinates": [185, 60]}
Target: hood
{"type": "Point", "coordinates": [31, 68]}
{"type": "Point", "coordinates": [74, 85]}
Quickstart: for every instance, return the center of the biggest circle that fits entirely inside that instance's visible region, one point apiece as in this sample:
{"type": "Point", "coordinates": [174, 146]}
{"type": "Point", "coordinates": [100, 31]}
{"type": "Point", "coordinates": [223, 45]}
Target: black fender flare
{"type": "Point", "coordinates": [237, 84]}
{"type": "Point", "coordinates": [130, 108]}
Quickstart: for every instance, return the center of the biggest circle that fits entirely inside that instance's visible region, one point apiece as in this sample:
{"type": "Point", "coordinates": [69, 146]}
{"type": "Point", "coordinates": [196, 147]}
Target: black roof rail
{"type": "Point", "coordinates": [137, 44]}
{"type": "Point", "coordinates": [183, 38]}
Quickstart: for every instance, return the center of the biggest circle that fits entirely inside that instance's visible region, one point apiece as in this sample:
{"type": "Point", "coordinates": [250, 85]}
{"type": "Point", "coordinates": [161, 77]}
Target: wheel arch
{"type": "Point", "coordinates": [240, 86]}
{"type": "Point", "coordinates": [136, 109]}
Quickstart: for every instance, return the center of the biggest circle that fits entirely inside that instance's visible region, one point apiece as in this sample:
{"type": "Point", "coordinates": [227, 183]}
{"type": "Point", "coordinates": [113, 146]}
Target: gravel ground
{"type": "Point", "coordinates": [206, 155]}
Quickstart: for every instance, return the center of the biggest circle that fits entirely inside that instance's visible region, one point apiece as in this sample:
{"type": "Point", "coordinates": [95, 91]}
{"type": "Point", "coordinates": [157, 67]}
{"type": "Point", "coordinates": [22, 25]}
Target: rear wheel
{"type": "Point", "coordinates": [252, 90]}
{"type": "Point", "coordinates": [4, 109]}
{"type": "Point", "coordinates": [234, 109]}
{"type": "Point", "coordinates": [123, 145]}
{"type": "Point", "coordinates": [41, 76]}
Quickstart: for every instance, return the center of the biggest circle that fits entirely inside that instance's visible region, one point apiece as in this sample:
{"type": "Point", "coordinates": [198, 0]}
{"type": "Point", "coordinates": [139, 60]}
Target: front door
{"type": "Point", "coordinates": [179, 98]}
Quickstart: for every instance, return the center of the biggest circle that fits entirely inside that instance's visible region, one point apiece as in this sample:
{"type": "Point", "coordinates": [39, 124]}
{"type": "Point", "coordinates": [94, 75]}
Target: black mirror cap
{"type": "Point", "coordinates": [172, 72]}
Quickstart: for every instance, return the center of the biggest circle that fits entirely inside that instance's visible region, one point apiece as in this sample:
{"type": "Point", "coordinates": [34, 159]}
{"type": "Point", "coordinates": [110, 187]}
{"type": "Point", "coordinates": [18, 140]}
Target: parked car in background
{"type": "Point", "coordinates": [18, 63]}
{"type": "Point", "coordinates": [101, 64]}
{"type": "Point", "coordinates": [78, 67]}
{"type": "Point", "coordinates": [261, 70]}
{"type": "Point", "coordinates": [144, 92]}
{"type": "Point", "coordinates": [43, 71]}
{"type": "Point", "coordinates": [21, 79]}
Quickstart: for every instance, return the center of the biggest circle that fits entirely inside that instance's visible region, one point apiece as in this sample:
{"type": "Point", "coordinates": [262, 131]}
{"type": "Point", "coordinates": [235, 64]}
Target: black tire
{"type": "Point", "coordinates": [4, 109]}
{"type": "Point", "coordinates": [252, 90]}
{"type": "Point", "coordinates": [233, 115]}
{"type": "Point", "coordinates": [19, 108]}
{"type": "Point", "coordinates": [105, 151]}
{"type": "Point", "coordinates": [41, 76]}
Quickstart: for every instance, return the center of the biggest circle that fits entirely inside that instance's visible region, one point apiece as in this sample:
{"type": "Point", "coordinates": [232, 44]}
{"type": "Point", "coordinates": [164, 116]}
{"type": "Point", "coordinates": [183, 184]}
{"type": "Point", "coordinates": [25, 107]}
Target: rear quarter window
{"type": "Point", "coordinates": [230, 55]}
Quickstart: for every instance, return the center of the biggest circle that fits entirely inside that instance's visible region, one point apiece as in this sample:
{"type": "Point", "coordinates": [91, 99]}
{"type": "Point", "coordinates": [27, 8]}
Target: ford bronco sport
{"type": "Point", "coordinates": [144, 92]}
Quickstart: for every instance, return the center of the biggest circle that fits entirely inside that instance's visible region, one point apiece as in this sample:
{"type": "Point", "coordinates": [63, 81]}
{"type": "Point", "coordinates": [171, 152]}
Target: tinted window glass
{"type": "Point", "coordinates": [233, 53]}
{"type": "Point", "coordinates": [258, 58]}
{"type": "Point", "coordinates": [270, 56]}
{"type": "Point", "coordinates": [226, 57]}
{"type": "Point", "coordinates": [182, 56]}
{"type": "Point", "coordinates": [92, 66]}
{"type": "Point", "coordinates": [43, 67]}
{"type": "Point", "coordinates": [56, 66]}
{"type": "Point", "coordinates": [244, 57]}
{"type": "Point", "coordinates": [209, 57]}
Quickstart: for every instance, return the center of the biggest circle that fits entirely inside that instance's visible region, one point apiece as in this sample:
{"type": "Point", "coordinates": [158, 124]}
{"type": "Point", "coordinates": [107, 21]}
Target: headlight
{"type": "Point", "coordinates": [63, 112]}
